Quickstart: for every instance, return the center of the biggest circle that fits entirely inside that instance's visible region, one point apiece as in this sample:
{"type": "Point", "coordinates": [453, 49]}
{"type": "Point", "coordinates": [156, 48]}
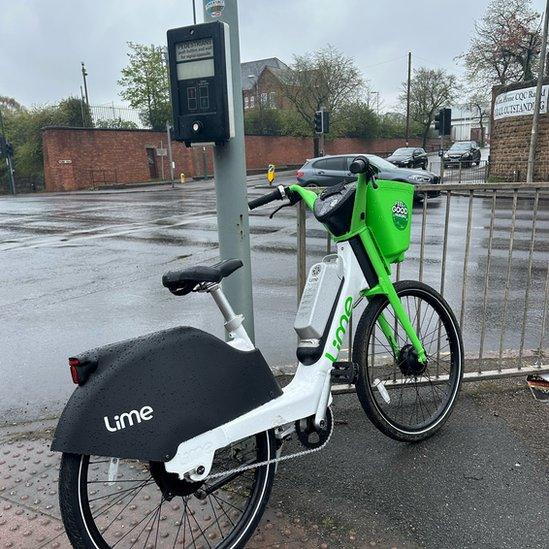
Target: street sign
{"type": "Point", "coordinates": [161, 152]}
{"type": "Point", "coordinates": [201, 83]}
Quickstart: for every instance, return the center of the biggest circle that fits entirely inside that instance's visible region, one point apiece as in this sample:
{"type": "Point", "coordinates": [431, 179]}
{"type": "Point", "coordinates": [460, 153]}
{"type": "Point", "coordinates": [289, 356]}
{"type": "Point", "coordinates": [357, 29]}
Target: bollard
{"type": "Point", "coordinates": [271, 175]}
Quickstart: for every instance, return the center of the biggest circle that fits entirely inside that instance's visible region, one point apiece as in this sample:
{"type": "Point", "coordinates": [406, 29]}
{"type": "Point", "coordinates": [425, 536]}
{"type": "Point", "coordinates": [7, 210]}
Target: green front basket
{"type": "Point", "coordinates": [389, 217]}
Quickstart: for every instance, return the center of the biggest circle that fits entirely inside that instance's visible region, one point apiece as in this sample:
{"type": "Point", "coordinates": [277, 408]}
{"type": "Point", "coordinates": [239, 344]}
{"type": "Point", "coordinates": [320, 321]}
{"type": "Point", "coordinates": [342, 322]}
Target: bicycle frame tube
{"type": "Point", "coordinates": [381, 268]}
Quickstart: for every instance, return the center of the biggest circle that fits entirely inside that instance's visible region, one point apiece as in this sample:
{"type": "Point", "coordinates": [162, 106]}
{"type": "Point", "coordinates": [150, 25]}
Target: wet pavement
{"type": "Point", "coordinates": [84, 269]}
{"type": "Point", "coordinates": [481, 482]}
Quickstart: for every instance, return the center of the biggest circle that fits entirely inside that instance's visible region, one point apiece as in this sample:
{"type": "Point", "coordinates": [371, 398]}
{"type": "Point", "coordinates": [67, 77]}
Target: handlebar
{"type": "Point", "coordinates": [359, 165]}
{"type": "Point", "coordinates": [277, 194]}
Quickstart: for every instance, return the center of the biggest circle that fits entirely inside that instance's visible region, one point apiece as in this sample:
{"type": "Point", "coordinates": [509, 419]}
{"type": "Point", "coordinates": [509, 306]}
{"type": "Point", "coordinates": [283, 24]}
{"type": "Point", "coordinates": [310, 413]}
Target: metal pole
{"type": "Point", "coordinates": [537, 102]}
{"type": "Point", "coordinates": [194, 12]}
{"type": "Point", "coordinates": [82, 107]}
{"type": "Point", "coordinates": [409, 85]}
{"type": "Point", "coordinates": [84, 74]}
{"type": "Point", "coordinates": [170, 155]}
{"type": "Point", "coordinates": [162, 160]}
{"type": "Point", "coordinates": [230, 184]}
{"type": "Point", "coordinates": [10, 172]}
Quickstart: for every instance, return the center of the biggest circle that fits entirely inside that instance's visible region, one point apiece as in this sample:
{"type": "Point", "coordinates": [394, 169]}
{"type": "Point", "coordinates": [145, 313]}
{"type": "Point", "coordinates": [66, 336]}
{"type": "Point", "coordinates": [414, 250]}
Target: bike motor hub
{"type": "Point", "coordinates": [409, 363]}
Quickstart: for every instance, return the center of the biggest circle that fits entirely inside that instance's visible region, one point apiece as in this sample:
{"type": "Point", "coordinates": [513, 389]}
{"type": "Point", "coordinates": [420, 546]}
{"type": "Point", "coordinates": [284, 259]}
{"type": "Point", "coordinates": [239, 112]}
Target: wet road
{"type": "Point", "coordinates": [83, 269]}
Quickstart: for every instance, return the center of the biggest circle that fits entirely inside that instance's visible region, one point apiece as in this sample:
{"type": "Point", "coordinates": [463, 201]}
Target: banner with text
{"type": "Point", "coordinates": [519, 102]}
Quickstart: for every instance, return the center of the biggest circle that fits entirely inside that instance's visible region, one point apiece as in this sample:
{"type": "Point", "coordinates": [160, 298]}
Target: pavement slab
{"type": "Point", "coordinates": [481, 482]}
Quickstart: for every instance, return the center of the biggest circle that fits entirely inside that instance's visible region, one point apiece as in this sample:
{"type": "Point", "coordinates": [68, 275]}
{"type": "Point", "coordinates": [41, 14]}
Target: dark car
{"type": "Point", "coordinates": [330, 170]}
{"type": "Point", "coordinates": [464, 153]}
{"type": "Point", "coordinates": [409, 157]}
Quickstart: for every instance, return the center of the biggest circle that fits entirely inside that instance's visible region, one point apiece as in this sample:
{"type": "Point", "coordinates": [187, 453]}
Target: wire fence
{"type": "Point", "coordinates": [485, 248]}
{"type": "Point", "coordinates": [111, 116]}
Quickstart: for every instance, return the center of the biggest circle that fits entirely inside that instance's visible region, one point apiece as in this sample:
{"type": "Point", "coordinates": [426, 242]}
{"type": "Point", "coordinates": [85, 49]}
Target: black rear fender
{"type": "Point", "coordinates": [149, 394]}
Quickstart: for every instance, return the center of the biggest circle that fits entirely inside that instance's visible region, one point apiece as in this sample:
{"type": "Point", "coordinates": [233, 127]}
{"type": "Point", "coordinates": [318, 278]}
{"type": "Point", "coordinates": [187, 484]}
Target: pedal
{"type": "Point", "coordinates": [344, 372]}
{"type": "Point", "coordinates": [539, 385]}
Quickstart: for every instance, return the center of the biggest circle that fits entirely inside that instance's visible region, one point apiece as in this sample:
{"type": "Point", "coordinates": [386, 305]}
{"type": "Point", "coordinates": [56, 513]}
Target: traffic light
{"type": "Point", "coordinates": [443, 122]}
{"type": "Point", "coordinates": [322, 121]}
{"type": "Point", "coordinates": [318, 122]}
{"type": "Point", "coordinates": [9, 149]}
{"type": "Point", "coordinates": [325, 121]}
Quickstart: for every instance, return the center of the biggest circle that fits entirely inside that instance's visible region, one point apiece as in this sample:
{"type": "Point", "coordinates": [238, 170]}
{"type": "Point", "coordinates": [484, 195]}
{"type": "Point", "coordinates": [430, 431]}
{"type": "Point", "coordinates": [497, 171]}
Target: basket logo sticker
{"type": "Point", "coordinates": [400, 215]}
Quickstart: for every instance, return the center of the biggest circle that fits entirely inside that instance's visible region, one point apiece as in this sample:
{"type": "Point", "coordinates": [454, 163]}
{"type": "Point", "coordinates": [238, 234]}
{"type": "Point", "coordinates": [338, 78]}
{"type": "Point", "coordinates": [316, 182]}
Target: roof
{"type": "Point", "coordinates": [251, 70]}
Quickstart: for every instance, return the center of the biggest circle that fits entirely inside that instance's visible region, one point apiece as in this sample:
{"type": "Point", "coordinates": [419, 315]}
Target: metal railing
{"type": "Point", "coordinates": [485, 247]}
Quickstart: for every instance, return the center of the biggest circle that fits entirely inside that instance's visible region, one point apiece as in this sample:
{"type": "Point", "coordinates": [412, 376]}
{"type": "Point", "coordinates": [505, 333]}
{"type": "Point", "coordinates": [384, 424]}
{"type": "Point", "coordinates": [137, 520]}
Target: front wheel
{"type": "Point", "coordinates": [106, 502]}
{"type": "Point", "coordinates": [404, 398]}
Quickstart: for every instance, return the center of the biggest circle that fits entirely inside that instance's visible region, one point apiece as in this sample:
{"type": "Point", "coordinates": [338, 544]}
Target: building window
{"type": "Point", "coordinates": [264, 99]}
{"type": "Point", "coordinates": [272, 100]}
{"type": "Point", "coordinates": [246, 102]}
{"type": "Point", "coordinates": [252, 101]}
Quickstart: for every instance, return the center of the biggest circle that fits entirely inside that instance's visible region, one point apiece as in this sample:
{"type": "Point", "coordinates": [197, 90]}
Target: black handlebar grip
{"type": "Point", "coordinates": [265, 199]}
{"type": "Point", "coordinates": [359, 165]}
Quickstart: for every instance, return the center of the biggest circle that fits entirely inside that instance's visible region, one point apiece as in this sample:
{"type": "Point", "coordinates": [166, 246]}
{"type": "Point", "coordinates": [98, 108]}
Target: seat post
{"type": "Point", "coordinates": [233, 322]}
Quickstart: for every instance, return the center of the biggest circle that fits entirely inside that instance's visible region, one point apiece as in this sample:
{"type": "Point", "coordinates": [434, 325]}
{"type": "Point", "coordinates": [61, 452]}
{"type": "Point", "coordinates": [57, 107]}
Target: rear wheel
{"type": "Point", "coordinates": [404, 398]}
{"type": "Point", "coordinates": [127, 503]}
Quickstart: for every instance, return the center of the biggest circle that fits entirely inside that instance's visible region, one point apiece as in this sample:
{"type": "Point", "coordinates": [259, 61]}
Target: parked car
{"type": "Point", "coordinates": [325, 171]}
{"type": "Point", "coordinates": [465, 153]}
{"type": "Point", "coordinates": [409, 157]}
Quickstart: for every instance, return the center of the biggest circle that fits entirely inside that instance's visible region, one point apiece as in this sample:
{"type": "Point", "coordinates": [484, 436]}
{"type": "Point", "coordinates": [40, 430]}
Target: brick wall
{"type": "Point", "coordinates": [510, 142]}
{"type": "Point", "coordinates": [77, 158]}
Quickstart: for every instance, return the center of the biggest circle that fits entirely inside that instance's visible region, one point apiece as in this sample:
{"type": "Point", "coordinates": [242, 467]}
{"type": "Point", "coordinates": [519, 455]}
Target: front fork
{"type": "Point", "coordinates": [385, 287]}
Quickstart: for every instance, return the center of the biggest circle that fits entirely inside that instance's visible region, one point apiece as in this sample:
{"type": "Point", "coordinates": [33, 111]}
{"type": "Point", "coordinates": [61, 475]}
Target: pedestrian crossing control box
{"type": "Point", "coordinates": [199, 59]}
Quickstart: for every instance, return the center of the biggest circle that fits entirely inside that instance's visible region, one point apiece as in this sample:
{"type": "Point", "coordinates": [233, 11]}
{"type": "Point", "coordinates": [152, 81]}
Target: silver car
{"type": "Point", "coordinates": [325, 171]}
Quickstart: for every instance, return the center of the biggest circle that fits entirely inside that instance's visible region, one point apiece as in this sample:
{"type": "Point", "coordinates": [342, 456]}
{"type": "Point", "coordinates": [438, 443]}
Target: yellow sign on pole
{"type": "Point", "coordinates": [271, 175]}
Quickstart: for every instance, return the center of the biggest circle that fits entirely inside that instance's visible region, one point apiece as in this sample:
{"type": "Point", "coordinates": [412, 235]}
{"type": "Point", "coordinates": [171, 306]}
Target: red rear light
{"type": "Point", "coordinates": [73, 363]}
{"type": "Point", "coordinates": [299, 173]}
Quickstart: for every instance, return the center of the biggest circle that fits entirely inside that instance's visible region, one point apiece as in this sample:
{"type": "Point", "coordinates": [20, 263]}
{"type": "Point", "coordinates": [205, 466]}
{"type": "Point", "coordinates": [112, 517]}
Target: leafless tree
{"type": "Point", "coordinates": [431, 90]}
{"type": "Point", "coordinates": [325, 78]}
{"type": "Point", "coordinates": [505, 45]}
{"type": "Point", "coordinates": [479, 103]}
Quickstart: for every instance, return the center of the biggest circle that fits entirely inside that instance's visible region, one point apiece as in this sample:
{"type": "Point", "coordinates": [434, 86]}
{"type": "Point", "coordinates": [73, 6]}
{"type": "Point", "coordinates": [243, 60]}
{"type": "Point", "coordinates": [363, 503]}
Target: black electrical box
{"type": "Point", "coordinates": [199, 59]}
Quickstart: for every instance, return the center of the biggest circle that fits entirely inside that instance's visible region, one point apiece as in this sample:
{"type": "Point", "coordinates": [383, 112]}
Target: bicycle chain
{"type": "Point", "coordinates": [271, 461]}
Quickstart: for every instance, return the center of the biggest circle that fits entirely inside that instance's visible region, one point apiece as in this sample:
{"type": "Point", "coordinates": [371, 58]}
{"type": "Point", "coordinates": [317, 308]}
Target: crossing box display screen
{"type": "Point", "coordinates": [201, 85]}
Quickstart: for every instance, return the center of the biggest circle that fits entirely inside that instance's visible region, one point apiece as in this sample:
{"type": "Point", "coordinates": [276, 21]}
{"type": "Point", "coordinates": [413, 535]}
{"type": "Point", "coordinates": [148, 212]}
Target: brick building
{"type": "Point", "coordinates": [511, 126]}
{"type": "Point", "coordinates": [262, 83]}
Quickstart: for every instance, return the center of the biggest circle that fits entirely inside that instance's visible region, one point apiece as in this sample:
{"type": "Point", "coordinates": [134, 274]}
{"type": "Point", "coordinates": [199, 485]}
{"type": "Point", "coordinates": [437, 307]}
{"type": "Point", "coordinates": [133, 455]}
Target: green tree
{"type": "Point", "coordinates": [145, 84]}
{"type": "Point", "coordinates": [23, 127]}
{"type": "Point", "coordinates": [431, 90]}
{"type": "Point", "coordinates": [357, 119]}
{"type": "Point", "coordinates": [265, 121]}
{"type": "Point", "coordinates": [75, 113]}
{"type": "Point", "coordinates": [116, 123]}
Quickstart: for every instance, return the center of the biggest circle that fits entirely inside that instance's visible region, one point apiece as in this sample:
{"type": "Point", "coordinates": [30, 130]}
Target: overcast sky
{"type": "Point", "coordinates": [43, 41]}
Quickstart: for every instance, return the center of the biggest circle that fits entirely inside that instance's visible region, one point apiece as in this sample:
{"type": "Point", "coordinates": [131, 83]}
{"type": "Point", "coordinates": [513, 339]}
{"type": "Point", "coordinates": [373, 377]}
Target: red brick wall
{"type": "Point", "coordinates": [119, 156]}
{"type": "Point", "coordinates": [83, 158]}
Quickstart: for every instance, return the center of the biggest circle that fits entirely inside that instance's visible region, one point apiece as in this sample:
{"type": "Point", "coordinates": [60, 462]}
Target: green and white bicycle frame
{"type": "Point", "coordinates": [309, 392]}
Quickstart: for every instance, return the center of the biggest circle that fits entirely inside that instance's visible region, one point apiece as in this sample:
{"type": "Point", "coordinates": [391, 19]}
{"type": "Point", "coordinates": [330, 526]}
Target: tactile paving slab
{"type": "Point", "coordinates": [30, 517]}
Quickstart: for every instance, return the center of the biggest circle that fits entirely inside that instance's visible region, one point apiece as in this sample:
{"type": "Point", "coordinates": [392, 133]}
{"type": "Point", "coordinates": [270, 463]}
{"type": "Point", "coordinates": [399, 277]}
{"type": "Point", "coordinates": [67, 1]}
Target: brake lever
{"type": "Point", "coordinates": [278, 209]}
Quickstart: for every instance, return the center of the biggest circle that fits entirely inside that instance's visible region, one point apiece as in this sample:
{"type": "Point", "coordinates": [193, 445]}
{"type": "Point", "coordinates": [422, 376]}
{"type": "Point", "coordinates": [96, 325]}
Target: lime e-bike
{"type": "Point", "coordinates": [172, 439]}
